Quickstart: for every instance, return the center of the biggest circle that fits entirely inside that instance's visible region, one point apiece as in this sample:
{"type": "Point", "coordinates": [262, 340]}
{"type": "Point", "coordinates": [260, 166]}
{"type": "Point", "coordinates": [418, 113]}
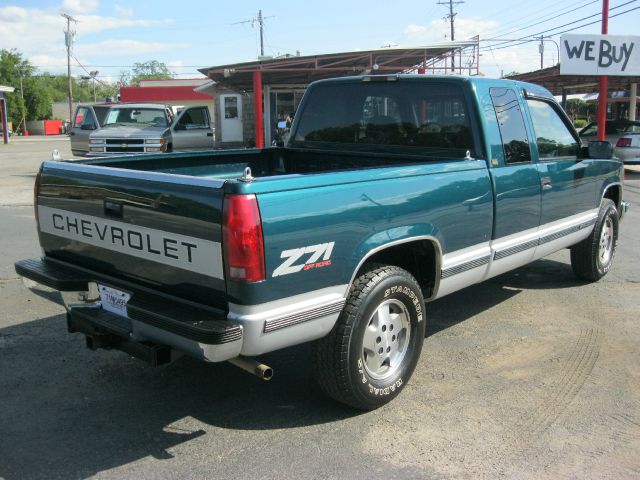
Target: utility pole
{"type": "Point", "coordinates": [69, 36]}
{"type": "Point", "coordinates": [261, 25]}
{"type": "Point", "coordinates": [451, 18]}
{"type": "Point", "coordinates": [259, 20]}
{"type": "Point", "coordinates": [541, 50]}
{"type": "Point", "coordinates": [24, 120]}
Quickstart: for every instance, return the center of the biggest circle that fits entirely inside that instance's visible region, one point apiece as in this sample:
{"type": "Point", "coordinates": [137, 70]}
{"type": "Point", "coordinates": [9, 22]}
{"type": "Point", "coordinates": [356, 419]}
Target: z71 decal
{"type": "Point", "coordinates": [305, 258]}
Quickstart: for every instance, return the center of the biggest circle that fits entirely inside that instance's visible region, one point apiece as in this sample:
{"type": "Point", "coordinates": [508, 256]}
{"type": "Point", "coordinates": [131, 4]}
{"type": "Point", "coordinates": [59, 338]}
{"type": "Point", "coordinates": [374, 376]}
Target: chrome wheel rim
{"type": "Point", "coordinates": [605, 249]}
{"type": "Point", "coordinates": [386, 339]}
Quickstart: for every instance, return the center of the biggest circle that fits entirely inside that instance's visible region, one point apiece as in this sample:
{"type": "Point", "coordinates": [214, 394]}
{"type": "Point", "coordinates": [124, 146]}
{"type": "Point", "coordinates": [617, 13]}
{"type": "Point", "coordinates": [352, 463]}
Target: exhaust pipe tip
{"type": "Point", "coordinates": [251, 365]}
{"type": "Point", "coordinates": [265, 372]}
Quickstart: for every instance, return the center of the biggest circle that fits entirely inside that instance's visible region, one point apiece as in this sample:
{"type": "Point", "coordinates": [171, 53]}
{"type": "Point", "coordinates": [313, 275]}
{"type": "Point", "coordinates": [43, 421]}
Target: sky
{"type": "Point", "coordinates": [111, 37]}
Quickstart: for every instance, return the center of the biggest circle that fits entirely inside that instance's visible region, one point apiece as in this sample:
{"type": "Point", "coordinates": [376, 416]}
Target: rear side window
{"type": "Point", "coordinates": [511, 123]}
{"type": "Point", "coordinates": [553, 137]}
{"type": "Point", "coordinates": [411, 117]}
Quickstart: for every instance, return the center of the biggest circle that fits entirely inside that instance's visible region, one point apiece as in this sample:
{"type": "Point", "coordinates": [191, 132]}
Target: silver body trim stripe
{"type": "Point", "coordinates": [469, 265]}
{"type": "Point", "coordinates": [288, 321]}
{"type": "Point", "coordinates": [516, 249]}
{"type": "Point", "coordinates": [463, 267]}
{"type": "Point", "coordinates": [304, 316]}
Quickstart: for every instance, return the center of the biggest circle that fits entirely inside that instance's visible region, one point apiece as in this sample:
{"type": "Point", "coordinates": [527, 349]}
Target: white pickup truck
{"type": "Point", "coordinates": [133, 128]}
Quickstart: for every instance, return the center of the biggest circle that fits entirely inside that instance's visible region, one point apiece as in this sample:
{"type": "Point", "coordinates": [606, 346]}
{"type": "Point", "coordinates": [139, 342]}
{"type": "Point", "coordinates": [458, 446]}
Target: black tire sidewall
{"type": "Point", "coordinates": [609, 211]}
{"type": "Point", "coordinates": [375, 392]}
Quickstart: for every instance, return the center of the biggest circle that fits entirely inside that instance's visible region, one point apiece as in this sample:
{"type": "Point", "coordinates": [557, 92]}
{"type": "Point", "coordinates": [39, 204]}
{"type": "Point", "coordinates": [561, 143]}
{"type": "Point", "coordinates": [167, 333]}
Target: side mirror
{"type": "Point", "coordinates": [87, 127]}
{"type": "Point", "coordinates": [179, 127]}
{"type": "Point", "coordinates": [598, 149]}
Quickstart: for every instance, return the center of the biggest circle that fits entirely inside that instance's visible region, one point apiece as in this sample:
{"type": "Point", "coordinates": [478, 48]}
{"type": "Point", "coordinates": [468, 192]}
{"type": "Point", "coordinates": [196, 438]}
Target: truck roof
{"type": "Point", "coordinates": [497, 82]}
{"type": "Point", "coordinates": [140, 105]}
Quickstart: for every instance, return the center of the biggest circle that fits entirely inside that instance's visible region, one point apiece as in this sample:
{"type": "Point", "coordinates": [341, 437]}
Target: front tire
{"type": "Point", "coordinates": [592, 258]}
{"type": "Point", "coordinates": [374, 346]}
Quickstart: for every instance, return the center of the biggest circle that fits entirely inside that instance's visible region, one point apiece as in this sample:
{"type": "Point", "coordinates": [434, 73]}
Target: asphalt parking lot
{"type": "Point", "coordinates": [532, 374]}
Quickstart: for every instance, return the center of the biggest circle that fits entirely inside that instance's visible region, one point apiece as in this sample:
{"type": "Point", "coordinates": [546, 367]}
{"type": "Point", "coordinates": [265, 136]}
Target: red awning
{"type": "Point", "coordinates": [161, 94]}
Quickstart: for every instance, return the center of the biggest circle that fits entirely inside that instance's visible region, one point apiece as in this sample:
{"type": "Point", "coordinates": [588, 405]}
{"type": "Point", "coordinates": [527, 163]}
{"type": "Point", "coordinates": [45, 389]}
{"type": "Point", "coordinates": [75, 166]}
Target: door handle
{"type": "Point", "coordinates": [546, 183]}
{"type": "Point", "coordinates": [210, 134]}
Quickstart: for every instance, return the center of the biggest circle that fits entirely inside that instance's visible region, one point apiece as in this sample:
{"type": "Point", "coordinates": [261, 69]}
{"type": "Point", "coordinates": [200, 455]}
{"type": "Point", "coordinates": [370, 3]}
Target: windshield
{"type": "Point", "coordinates": [127, 116]}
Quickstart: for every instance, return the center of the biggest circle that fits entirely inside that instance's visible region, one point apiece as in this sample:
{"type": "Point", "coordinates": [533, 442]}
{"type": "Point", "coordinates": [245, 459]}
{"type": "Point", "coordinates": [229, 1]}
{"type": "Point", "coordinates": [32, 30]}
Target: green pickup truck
{"type": "Point", "coordinates": [391, 192]}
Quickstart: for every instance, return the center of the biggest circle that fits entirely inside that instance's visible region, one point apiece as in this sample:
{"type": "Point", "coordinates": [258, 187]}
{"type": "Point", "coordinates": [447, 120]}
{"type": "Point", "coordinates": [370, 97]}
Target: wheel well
{"type": "Point", "coordinates": [419, 258]}
{"type": "Point", "coordinates": [613, 194]}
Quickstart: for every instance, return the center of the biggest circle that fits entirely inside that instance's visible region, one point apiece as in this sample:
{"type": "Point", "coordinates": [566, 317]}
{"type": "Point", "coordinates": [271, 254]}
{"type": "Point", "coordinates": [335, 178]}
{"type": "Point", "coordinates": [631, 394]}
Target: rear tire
{"type": "Point", "coordinates": [592, 258]}
{"type": "Point", "coordinates": [374, 346]}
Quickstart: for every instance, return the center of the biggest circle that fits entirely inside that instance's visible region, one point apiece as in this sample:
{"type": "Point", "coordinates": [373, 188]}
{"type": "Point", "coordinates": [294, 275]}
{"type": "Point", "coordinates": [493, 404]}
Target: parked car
{"type": "Point", "coordinates": [614, 129]}
{"type": "Point", "coordinates": [391, 191]}
{"type": "Point", "coordinates": [86, 120]}
{"type": "Point", "coordinates": [627, 149]}
{"type": "Point", "coordinates": [152, 128]}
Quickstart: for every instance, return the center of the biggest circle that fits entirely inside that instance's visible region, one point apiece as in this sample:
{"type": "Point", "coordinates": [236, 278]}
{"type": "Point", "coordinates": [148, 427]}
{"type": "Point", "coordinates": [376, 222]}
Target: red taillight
{"type": "Point", "coordinates": [623, 142]}
{"type": "Point", "coordinates": [36, 189]}
{"type": "Point", "coordinates": [242, 238]}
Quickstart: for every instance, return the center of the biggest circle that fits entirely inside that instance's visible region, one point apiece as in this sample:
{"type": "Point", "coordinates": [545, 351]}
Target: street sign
{"type": "Point", "coordinates": [614, 55]}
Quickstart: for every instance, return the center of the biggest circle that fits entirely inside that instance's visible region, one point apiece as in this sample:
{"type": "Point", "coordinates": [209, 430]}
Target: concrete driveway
{"type": "Point", "coordinates": [532, 374]}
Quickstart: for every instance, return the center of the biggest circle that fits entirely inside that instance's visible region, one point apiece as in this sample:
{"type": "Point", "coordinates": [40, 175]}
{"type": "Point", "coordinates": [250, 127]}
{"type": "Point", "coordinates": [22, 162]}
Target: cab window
{"type": "Point", "coordinates": [417, 119]}
{"type": "Point", "coordinates": [553, 137]}
{"type": "Point", "coordinates": [511, 123]}
{"type": "Point", "coordinates": [194, 118]}
{"type": "Point", "coordinates": [83, 117]}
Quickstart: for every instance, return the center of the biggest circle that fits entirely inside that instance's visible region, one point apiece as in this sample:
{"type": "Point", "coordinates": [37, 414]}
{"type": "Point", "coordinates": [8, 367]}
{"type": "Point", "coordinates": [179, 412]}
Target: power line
{"type": "Point", "coordinates": [509, 43]}
{"type": "Point", "coordinates": [516, 23]}
{"type": "Point", "coordinates": [547, 18]}
{"type": "Point", "coordinates": [527, 40]}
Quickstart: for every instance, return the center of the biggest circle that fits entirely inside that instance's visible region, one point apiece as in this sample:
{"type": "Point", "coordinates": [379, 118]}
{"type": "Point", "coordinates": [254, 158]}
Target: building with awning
{"type": "Point", "coordinates": [563, 85]}
{"type": "Point", "coordinates": [254, 96]}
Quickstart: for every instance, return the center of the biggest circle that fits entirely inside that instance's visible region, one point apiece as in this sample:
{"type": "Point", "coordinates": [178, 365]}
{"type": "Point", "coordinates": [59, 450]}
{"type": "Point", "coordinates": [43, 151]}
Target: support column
{"type": "Point", "coordinates": [633, 100]}
{"type": "Point", "coordinates": [604, 80]}
{"type": "Point", "coordinates": [257, 108]}
{"type": "Point", "coordinates": [564, 99]}
{"type": "Point", "coordinates": [5, 123]}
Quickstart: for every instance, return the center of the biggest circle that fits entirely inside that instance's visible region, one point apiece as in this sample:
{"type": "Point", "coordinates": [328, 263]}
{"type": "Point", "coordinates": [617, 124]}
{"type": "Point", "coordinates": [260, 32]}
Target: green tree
{"type": "Point", "coordinates": [151, 70]}
{"type": "Point", "coordinates": [41, 90]}
{"type": "Point", "coordinates": [15, 70]}
{"type": "Point", "coordinates": [39, 98]}
{"type": "Point", "coordinates": [576, 107]}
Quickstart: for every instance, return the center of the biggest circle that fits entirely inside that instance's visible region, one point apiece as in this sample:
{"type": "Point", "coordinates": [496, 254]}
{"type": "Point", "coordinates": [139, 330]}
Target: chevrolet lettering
{"type": "Point", "coordinates": [391, 192]}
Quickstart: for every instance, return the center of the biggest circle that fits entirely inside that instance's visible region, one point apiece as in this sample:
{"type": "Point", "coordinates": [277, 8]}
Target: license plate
{"type": "Point", "coordinates": [113, 300]}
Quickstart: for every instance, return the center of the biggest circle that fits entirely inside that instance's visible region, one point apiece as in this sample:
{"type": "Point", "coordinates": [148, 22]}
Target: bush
{"type": "Point", "coordinates": [579, 123]}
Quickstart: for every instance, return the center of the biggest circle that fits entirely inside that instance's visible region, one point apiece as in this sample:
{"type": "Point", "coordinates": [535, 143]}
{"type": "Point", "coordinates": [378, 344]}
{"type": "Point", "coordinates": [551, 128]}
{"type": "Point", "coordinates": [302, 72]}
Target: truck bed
{"type": "Point", "coordinates": [178, 198]}
{"type": "Point", "coordinates": [230, 164]}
